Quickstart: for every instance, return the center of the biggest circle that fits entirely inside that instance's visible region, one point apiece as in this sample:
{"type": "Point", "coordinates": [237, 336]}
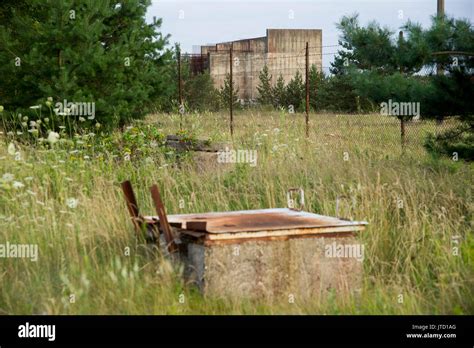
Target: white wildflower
{"type": "Point", "coordinates": [7, 177]}
{"type": "Point", "coordinates": [53, 137]}
{"type": "Point", "coordinates": [18, 185]}
{"type": "Point", "coordinates": [72, 203]}
{"type": "Point", "coordinates": [11, 149]}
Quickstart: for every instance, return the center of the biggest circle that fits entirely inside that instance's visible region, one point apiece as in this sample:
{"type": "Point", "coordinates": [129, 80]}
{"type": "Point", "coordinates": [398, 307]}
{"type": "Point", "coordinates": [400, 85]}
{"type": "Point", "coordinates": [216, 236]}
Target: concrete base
{"type": "Point", "coordinates": [298, 267]}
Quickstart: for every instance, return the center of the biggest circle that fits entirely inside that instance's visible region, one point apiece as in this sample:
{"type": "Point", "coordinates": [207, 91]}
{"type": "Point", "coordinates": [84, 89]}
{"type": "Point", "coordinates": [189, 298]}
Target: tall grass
{"type": "Point", "coordinates": [91, 263]}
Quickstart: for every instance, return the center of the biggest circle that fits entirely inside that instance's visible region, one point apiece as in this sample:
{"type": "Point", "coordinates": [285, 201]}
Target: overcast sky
{"type": "Point", "coordinates": [199, 22]}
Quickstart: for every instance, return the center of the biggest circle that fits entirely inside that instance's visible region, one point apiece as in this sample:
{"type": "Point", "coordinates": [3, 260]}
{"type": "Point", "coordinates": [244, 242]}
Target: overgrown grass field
{"type": "Point", "coordinates": [66, 198]}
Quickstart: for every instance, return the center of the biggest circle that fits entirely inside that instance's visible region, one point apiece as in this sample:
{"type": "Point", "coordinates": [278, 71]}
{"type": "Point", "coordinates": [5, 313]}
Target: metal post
{"type": "Point", "coordinates": [307, 89]}
{"type": "Point", "coordinates": [402, 119]}
{"type": "Point", "coordinates": [402, 132]}
{"type": "Point", "coordinates": [440, 14]}
{"type": "Point", "coordinates": [180, 91]}
{"type": "Point", "coordinates": [439, 67]}
{"type": "Point", "coordinates": [231, 90]}
{"type": "Point", "coordinates": [440, 8]}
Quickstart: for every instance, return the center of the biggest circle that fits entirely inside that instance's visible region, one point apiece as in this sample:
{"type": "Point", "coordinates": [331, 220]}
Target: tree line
{"type": "Point", "coordinates": [106, 53]}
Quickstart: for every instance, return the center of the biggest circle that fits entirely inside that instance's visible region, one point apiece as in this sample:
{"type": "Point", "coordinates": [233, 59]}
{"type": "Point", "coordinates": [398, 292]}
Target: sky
{"type": "Point", "coordinates": [198, 22]}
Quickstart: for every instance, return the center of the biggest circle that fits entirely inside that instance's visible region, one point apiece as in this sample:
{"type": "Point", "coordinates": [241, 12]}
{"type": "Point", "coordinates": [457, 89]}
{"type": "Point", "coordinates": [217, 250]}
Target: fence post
{"type": "Point", "coordinates": [307, 89]}
{"type": "Point", "coordinates": [402, 118]}
{"type": "Point", "coordinates": [180, 92]}
{"type": "Point", "coordinates": [402, 132]}
{"type": "Point", "coordinates": [231, 91]}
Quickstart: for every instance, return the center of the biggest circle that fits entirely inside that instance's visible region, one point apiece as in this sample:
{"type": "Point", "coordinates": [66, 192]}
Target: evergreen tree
{"type": "Point", "coordinates": [378, 66]}
{"type": "Point", "coordinates": [200, 93]}
{"type": "Point", "coordinates": [224, 93]}
{"type": "Point", "coordinates": [317, 84]}
{"type": "Point", "coordinates": [279, 93]}
{"type": "Point", "coordinates": [264, 87]}
{"type": "Point", "coordinates": [82, 51]}
{"type": "Point", "coordinates": [295, 92]}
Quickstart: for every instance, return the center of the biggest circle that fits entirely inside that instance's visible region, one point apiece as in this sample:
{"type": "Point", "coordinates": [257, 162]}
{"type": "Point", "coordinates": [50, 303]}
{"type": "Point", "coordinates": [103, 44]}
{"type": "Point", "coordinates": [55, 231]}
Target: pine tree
{"type": "Point", "coordinates": [279, 93]}
{"type": "Point", "coordinates": [82, 51]}
{"type": "Point", "coordinates": [200, 93]}
{"type": "Point", "coordinates": [264, 87]}
{"type": "Point", "coordinates": [316, 88]}
{"type": "Point", "coordinates": [224, 93]}
{"type": "Point", "coordinates": [295, 92]}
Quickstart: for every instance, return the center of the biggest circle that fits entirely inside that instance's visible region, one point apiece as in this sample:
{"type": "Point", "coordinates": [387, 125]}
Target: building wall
{"type": "Point", "coordinates": [282, 50]}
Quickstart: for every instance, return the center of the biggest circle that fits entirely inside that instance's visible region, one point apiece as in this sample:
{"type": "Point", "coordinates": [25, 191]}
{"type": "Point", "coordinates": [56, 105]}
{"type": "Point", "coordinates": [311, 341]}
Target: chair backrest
{"type": "Point", "coordinates": [164, 225]}
{"type": "Point", "coordinates": [132, 205]}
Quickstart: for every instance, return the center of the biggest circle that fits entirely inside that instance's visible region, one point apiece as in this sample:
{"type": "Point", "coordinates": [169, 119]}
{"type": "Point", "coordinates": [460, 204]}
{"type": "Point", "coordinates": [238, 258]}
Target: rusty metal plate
{"type": "Point", "coordinates": [259, 220]}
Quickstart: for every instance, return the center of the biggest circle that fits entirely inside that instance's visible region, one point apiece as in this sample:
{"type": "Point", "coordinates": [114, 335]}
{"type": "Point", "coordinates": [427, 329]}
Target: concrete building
{"type": "Point", "coordinates": [282, 50]}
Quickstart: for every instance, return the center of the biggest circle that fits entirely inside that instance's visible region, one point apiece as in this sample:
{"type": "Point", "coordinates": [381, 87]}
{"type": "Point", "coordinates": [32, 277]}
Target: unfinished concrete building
{"type": "Point", "coordinates": [282, 50]}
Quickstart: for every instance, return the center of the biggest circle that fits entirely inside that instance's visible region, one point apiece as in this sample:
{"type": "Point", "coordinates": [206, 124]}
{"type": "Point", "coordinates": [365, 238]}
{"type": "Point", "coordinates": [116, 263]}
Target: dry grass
{"type": "Point", "coordinates": [83, 250]}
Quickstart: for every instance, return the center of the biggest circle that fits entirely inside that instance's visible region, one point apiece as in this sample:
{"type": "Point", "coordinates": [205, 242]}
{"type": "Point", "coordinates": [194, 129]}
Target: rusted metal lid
{"type": "Point", "coordinates": [261, 220]}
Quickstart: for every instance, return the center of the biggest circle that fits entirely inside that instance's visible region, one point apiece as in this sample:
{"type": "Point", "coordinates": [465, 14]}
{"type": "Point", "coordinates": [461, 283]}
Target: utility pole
{"type": "Point", "coordinates": [307, 89]}
{"type": "Point", "coordinates": [231, 90]}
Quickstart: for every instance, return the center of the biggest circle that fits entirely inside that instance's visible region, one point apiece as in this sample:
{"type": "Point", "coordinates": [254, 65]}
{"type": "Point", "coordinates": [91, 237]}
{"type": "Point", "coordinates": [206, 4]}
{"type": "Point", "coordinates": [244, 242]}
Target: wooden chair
{"type": "Point", "coordinates": [150, 225]}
